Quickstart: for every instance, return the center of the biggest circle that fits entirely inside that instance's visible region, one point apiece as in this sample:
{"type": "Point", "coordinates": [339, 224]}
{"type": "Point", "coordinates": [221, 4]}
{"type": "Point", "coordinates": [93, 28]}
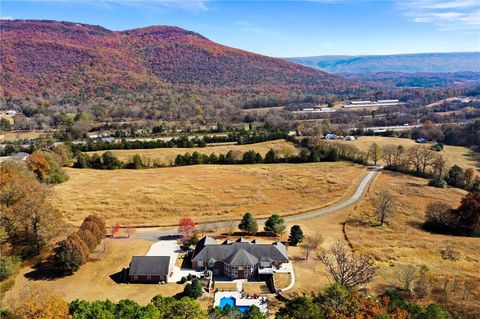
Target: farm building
{"type": "Point", "coordinates": [149, 269]}
{"type": "Point", "coordinates": [239, 259]}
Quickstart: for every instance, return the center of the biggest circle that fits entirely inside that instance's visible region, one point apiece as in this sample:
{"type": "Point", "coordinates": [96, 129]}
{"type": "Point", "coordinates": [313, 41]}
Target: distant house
{"type": "Point", "coordinates": [239, 259]}
{"type": "Point", "coordinates": [349, 138]}
{"type": "Point", "coordinates": [149, 269]}
{"type": "Point", "coordinates": [421, 140]}
{"type": "Point", "coordinates": [11, 112]}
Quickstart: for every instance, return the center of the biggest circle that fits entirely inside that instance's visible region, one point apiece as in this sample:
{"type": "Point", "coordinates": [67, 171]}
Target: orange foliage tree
{"type": "Point", "coordinates": [186, 228]}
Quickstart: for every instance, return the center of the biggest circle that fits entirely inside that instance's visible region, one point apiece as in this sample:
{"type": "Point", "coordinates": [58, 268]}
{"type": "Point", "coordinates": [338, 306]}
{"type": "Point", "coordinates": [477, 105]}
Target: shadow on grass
{"type": "Point", "coordinates": [44, 270]}
{"type": "Point", "coordinates": [120, 277]}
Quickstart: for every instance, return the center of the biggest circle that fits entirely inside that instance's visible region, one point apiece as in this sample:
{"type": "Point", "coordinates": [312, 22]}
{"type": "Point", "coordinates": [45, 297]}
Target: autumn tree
{"type": "Point", "coordinates": [68, 257]}
{"type": "Point", "coordinates": [28, 218]}
{"type": "Point", "coordinates": [38, 303]}
{"type": "Point", "coordinates": [186, 229]}
{"type": "Point", "coordinates": [348, 269]}
{"type": "Point", "coordinates": [375, 153]}
{"type": "Point", "coordinates": [384, 205]}
{"type": "Point", "coordinates": [37, 163]}
{"type": "Point", "coordinates": [311, 243]}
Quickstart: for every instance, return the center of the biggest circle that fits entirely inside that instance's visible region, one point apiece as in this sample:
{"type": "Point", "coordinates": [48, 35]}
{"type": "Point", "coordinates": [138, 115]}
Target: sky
{"type": "Point", "coordinates": [284, 28]}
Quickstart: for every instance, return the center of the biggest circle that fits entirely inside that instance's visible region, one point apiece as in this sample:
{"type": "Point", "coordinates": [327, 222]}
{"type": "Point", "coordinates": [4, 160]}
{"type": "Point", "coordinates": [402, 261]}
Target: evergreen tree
{"type": "Point", "coordinates": [275, 224]}
{"type": "Point", "coordinates": [248, 224]}
{"type": "Point", "coordinates": [270, 157]}
{"type": "Point", "coordinates": [296, 235]}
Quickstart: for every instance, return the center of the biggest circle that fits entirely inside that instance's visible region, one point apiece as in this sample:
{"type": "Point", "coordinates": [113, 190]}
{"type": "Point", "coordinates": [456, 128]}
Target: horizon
{"type": "Point", "coordinates": [309, 28]}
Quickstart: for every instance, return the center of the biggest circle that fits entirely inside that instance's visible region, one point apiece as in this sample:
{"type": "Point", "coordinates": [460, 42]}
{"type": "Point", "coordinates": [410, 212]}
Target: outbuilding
{"type": "Point", "coordinates": [149, 269]}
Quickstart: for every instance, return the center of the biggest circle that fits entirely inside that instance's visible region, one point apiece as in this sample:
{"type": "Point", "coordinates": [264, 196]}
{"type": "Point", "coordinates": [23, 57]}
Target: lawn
{"type": "Point", "coordinates": [167, 155]}
{"type": "Point", "coordinates": [93, 282]}
{"type": "Point", "coordinates": [461, 156]}
{"type": "Point", "coordinates": [162, 196]}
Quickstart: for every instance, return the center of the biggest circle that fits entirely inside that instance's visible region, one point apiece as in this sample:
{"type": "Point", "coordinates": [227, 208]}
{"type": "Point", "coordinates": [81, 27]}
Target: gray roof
{"type": "Point", "coordinates": [241, 257]}
{"type": "Point", "coordinates": [228, 252]}
{"type": "Point", "coordinates": [149, 265]}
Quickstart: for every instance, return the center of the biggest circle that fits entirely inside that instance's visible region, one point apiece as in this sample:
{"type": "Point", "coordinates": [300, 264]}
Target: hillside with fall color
{"type": "Point", "coordinates": [45, 58]}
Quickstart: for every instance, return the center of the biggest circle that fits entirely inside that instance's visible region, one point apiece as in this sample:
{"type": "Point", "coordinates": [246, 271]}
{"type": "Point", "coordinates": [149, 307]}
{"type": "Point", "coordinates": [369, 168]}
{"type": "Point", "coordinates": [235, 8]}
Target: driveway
{"type": "Point", "coordinates": [171, 248]}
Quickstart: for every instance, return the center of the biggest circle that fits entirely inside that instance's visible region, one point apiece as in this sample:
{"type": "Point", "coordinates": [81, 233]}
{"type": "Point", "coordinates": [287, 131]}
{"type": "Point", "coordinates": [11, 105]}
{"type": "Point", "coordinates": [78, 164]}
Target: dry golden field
{"type": "Point", "coordinates": [161, 196]}
{"type": "Point", "coordinates": [20, 135]}
{"type": "Point", "coordinates": [167, 155]}
{"type": "Point", "coordinates": [461, 156]}
{"type": "Point", "coordinates": [403, 241]}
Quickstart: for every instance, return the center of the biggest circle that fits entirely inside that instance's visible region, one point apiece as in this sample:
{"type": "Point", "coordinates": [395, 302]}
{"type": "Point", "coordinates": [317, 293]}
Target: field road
{"type": "Point", "coordinates": [166, 234]}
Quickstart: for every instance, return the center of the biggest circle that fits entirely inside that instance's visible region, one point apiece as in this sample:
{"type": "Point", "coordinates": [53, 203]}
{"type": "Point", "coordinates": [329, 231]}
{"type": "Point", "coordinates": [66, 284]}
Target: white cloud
{"type": "Point", "coordinates": [6, 18]}
{"type": "Point", "coordinates": [458, 15]}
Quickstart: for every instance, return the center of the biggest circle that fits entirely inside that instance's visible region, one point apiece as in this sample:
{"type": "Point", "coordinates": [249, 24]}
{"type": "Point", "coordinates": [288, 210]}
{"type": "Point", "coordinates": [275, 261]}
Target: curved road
{"type": "Point", "coordinates": [158, 235]}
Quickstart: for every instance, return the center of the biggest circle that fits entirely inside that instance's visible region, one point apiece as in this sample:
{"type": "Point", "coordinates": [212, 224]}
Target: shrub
{"type": "Point", "coordinates": [437, 182]}
{"type": "Point", "coordinates": [193, 290]}
{"type": "Point", "coordinates": [92, 226]}
{"type": "Point", "coordinates": [8, 266]}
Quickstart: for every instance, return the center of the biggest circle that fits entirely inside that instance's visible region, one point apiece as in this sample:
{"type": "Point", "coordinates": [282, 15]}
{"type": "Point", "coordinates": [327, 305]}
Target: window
{"type": "Point", "coordinates": [149, 277]}
{"type": "Point", "coordinates": [200, 264]}
{"type": "Point", "coordinates": [135, 277]}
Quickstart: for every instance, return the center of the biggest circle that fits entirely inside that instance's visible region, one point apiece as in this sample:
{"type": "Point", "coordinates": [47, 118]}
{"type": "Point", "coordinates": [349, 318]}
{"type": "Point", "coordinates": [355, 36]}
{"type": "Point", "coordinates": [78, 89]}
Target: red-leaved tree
{"type": "Point", "coordinates": [116, 229]}
{"type": "Point", "coordinates": [186, 228]}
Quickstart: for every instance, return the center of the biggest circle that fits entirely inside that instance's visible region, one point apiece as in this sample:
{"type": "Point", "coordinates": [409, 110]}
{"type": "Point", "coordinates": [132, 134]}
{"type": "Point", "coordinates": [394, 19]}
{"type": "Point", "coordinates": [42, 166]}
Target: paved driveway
{"type": "Point", "coordinates": [172, 249]}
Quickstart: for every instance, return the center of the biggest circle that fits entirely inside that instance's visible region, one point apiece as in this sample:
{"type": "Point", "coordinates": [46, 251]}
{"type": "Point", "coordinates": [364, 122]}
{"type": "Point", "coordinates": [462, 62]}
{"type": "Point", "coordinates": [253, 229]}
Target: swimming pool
{"type": "Point", "coordinates": [230, 301]}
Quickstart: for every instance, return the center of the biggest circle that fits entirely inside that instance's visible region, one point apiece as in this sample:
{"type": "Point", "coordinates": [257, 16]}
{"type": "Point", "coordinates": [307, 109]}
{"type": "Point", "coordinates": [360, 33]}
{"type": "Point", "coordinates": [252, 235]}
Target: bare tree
{"type": "Point", "coordinates": [311, 243]}
{"type": "Point", "coordinates": [384, 205]}
{"type": "Point", "coordinates": [439, 166]}
{"type": "Point", "coordinates": [348, 269]}
{"type": "Point", "coordinates": [204, 228]}
{"type": "Point", "coordinates": [408, 274]}
{"type": "Point", "coordinates": [230, 227]}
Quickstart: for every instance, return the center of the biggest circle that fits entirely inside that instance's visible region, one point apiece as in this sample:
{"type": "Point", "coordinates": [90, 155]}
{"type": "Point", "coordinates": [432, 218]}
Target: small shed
{"type": "Point", "coordinates": [149, 269]}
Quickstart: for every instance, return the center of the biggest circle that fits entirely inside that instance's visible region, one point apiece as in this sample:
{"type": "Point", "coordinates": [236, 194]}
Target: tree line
{"type": "Point", "coordinates": [73, 252]}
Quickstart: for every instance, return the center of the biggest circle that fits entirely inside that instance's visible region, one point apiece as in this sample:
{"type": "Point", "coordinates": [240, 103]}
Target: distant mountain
{"type": "Point", "coordinates": [45, 58]}
{"type": "Point", "coordinates": [408, 63]}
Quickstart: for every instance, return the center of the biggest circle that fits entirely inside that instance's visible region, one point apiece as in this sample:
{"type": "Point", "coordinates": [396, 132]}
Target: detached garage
{"type": "Point", "coordinates": [149, 269]}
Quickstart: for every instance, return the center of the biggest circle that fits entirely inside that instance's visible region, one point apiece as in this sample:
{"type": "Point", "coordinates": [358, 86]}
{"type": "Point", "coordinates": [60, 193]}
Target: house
{"type": "Point", "coordinates": [149, 269]}
{"type": "Point", "coordinates": [349, 138]}
{"type": "Point", "coordinates": [239, 259]}
{"type": "Point", "coordinates": [421, 140]}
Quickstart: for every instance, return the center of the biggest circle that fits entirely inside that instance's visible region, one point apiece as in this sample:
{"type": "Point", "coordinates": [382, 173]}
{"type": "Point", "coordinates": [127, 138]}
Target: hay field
{"type": "Point", "coordinates": [404, 241]}
{"type": "Point", "coordinates": [167, 155]}
{"type": "Point", "coordinates": [206, 192]}
{"type": "Point", "coordinates": [461, 156]}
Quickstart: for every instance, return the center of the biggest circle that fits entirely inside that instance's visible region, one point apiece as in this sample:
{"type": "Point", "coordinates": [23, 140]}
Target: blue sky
{"type": "Point", "coordinates": [285, 28]}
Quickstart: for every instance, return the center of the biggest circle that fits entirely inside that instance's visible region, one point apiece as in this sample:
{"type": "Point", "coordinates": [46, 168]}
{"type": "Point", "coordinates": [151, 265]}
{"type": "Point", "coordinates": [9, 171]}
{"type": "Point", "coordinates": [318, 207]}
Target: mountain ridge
{"type": "Point", "coordinates": [435, 62]}
{"type": "Point", "coordinates": [50, 57]}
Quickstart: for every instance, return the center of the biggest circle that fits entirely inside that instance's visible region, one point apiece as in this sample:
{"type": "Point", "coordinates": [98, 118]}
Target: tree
{"type": "Point", "coordinates": [311, 243]}
{"type": "Point", "coordinates": [5, 124]}
{"type": "Point", "coordinates": [186, 228]}
{"type": "Point", "coordinates": [68, 257]}
{"type": "Point", "coordinates": [275, 224]}
{"type": "Point", "coordinates": [270, 157]}
{"type": "Point", "coordinates": [82, 161]}
{"type": "Point", "coordinates": [384, 205]}
{"type": "Point", "coordinates": [456, 176]}
{"type": "Point", "coordinates": [296, 235]}
{"type": "Point", "coordinates": [89, 238]}
{"type": "Point", "coordinates": [109, 161]}
{"type": "Point", "coordinates": [116, 229]}
{"type": "Point", "coordinates": [27, 215]}
{"type": "Point", "coordinates": [92, 226]}
{"type": "Point", "coordinates": [375, 153]}
{"type": "Point", "coordinates": [193, 290]}
{"type": "Point", "coordinates": [248, 224]}
{"type": "Point", "coordinates": [38, 303]}
{"type": "Point", "coordinates": [299, 308]}
{"type": "Point", "coordinates": [348, 269]}
{"type": "Point", "coordinates": [39, 165]}
{"type": "Point", "coordinates": [468, 214]}
{"type": "Point", "coordinates": [408, 274]}
{"type": "Point", "coordinates": [230, 227]}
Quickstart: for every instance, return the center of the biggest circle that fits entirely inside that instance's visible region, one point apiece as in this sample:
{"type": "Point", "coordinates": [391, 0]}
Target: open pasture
{"type": "Point", "coordinates": [162, 196]}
